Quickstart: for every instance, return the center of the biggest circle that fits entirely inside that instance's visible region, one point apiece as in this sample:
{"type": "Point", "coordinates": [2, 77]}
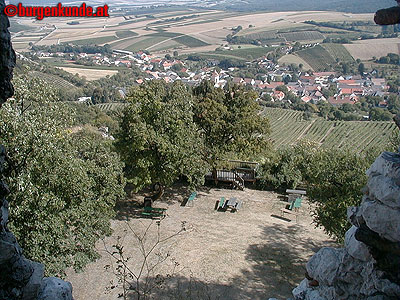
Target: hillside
{"type": "Point", "coordinates": [288, 127]}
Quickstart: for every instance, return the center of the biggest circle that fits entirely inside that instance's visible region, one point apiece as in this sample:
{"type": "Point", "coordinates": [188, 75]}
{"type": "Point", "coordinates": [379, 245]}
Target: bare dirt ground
{"type": "Point", "coordinates": [250, 254]}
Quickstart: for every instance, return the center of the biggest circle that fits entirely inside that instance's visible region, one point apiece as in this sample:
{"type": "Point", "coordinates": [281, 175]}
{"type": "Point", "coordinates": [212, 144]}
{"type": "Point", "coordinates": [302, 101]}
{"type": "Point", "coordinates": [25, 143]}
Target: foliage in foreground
{"type": "Point", "coordinates": [63, 184]}
{"type": "Point", "coordinates": [334, 180]}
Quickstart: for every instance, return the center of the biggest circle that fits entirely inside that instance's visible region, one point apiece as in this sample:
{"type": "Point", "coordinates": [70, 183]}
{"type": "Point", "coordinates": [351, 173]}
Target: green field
{"type": "Point", "coordinates": [288, 127]}
{"type": "Point", "coordinates": [317, 57]}
{"type": "Point", "coordinates": [338, 51]}
{"type": "Point", "coordinates": [125, 34]}
{"type": "Point", "coordinates": [245, 54]}
{"type": "Point", "coordinates": [190, 41]}
{"type": "Point", "coordinates": [95, 41]}
{"type": "Point", "coordinates": [111, 106]}
{"type": "Point", "coordinates": [17, 27]}
{"type": "Point", "coordinates": [302, 36]}
{"type": "Point", "coordinates": [53, 80]}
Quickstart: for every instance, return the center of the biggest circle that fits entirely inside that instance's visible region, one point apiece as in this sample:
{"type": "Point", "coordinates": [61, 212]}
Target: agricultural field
{"type": "Point", "coordinates": [53, 80]}
{"type": "Point", "coordinates": [243, 54]}
{"type": "Point", "coordinates": [125, 34]}
{"type": "Point", "coordinates": [294, 59]}
{"type": "Point", "coordinates": [111, 106]}
{"type": "Point", "coordinates": [338, 51]}
{"type": "Point", "coordinates": [188, 30]}
{"type": "Point", "coordinates": [367, 49]}
{"type": "Point", "coordinates": [90, 74]}
{"type": "Point", "coordinates": [317, 57]}
{"type": "Point", "coordinates": [288, 127]}
{"type": "Point", "coordinates": [302, 36]}
{"type": "Point", "coordinates": [96, 41]}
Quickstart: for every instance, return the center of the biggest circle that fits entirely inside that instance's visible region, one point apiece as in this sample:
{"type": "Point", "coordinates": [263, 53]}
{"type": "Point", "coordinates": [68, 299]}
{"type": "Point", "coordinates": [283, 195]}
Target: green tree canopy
{"type": "Point", "coordinates": [158, 140]}
{"type": "Point", "coordinates": [230, 122]}
{"type": "Point", "coordinates": [334, 179]}
{"type": "Point", "coordinates": [63, 184]}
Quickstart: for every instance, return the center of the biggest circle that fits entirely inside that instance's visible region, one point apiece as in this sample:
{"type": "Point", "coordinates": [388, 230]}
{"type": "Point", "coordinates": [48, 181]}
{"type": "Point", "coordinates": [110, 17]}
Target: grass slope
{"type": "Point", "coordinates": [190, 41]}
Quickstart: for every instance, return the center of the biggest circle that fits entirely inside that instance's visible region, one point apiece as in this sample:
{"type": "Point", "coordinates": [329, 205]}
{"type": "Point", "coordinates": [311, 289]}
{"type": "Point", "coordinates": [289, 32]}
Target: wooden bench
{"type": "Point", "coordinates": [190, 202]}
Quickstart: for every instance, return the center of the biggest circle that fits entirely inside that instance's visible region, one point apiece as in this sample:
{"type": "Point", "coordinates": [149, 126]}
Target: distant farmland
{"type": "Point", "coordinates": [338, 51]}
{"type": "Point", "coordinates": [288, 127]}
{"type": "Point", "coordinates": [302, 36]}
{"type": "Point", "coordinates": [367, 49]}
{"type": "Point", "coordinates": [317, 57]}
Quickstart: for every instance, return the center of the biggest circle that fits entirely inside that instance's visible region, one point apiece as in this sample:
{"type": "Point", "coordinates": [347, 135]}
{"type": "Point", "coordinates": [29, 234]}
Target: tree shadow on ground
{"type": "Point", "coordinates": [278, 262]}
{"type": "Point", "coordinates": [131, 206]}
{"type": "Point", "coordinates": [278, 265]}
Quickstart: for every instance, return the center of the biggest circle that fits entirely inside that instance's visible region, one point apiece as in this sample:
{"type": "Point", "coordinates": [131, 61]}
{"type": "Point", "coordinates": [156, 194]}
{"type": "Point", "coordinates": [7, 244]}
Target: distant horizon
{"type": "Point", "coordinates": [355, 6]}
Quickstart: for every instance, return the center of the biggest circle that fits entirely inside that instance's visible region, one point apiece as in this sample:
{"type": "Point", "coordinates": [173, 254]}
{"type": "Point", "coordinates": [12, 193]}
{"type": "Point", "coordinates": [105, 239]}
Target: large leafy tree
{"type": "Point", "coordinates": [63, 183]}
{"type": "Point", "coordinates": [158, 140]}
{"type": "Point", "coordinates": [334, 179]}
{"type": "Point", "coordinates": [230, 123]}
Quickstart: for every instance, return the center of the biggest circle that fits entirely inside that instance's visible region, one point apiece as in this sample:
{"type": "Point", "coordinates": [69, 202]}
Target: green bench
{"type": "Point", "coordinates": [221, 203]}
{"type": "Point", "coordinates": [190, 202]}
{"type": "Point", "coordinates": [293, 209]}
{"type": "Point", "coordinates": [154, 212]}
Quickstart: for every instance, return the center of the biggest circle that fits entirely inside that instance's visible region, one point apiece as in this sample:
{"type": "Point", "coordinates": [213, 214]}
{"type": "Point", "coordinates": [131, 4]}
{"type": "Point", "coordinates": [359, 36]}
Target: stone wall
{"type": "Point", "coordinates": [20, 278]}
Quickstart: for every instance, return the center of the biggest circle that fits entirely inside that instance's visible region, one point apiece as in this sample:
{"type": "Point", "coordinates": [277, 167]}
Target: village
{"type": "Point", "coordinates": [306, 85]}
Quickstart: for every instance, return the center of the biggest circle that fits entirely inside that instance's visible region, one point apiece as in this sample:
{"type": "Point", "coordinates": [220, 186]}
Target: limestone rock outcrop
{"type": "Point", "coordinates": [368, 268]}
{"type": "Point", "coordinates": [20, 278]}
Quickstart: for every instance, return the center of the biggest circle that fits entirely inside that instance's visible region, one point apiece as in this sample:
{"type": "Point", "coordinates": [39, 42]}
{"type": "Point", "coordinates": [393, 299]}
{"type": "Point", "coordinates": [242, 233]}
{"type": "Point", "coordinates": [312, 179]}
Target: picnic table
{"type": "Point", "coordinates": [233, 204]}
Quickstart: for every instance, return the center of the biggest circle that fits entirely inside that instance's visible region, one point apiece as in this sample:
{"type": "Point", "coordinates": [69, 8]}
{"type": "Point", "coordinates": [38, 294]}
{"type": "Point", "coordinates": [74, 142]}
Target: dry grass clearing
{"type": "Point", "coordinates": [250, 254]}
{"type": "Point", "coordinates": [90, 74]}
{"type": "Point", "coordinates": [294, 59]}
{"type": "Point", "coordinates": [367, 49]}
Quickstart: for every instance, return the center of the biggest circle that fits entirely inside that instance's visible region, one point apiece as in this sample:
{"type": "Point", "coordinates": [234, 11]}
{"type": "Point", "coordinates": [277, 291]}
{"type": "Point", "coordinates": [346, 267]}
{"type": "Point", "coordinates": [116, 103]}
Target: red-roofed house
{"type": "Point", "coordinates": [342, 100]}
{"type": "Point", "coordinates": [273, 85]}
{"type": "Point", "coordinates": [306, 99]}
{"type": "Point", "coordinates": [348, 82]}
{"type": "Point", "coordinates": [279, 95]}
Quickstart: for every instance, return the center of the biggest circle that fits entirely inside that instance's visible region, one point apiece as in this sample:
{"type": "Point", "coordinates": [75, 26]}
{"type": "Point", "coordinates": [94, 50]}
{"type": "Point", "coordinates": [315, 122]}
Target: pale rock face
{"type": "Point", "coordinates": [351, 273]}
{"type": "Point", "coordinates": [382, 219]}
{"type": "Point", "coordinates": [355, 248]}
{"type": "Point", "coordinates": [388, 165]}
{"type": "Point", "coordinates": [324, 264]}
{"type": "Point", "coordinates": [385, 190]}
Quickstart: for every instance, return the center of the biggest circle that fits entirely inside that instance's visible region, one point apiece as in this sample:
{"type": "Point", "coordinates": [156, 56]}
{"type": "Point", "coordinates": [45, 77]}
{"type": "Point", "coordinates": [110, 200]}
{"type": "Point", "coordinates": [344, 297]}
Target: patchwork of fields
{"type": "Point", "coordinates": [288, 127]}
{"type": "Point", "coordinates": [186, 30]}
